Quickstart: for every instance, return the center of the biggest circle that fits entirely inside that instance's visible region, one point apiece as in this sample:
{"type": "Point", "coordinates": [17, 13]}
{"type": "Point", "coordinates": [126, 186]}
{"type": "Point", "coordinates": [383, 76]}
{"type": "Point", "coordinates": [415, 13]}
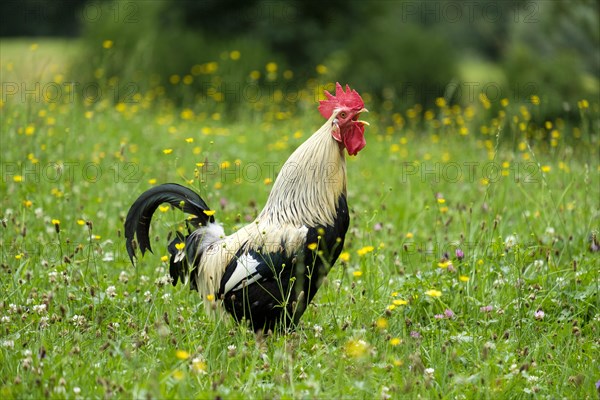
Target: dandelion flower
{"type": "Point", "coordinates": [356, 348]}
{"type": "Point", "coordinates": [182, 354]}
{"type": "Point", "coordinates": [381, 323]}
{"type": "Point", "coordinates": [167, 151]}
{"type": "Point", "coordinates": [365, 250]}
{"type": "Point", "coordinates": [107, 44]}
{"type": "Point", "coordinates": [357, 274]}
{"type": "Point", "coordinates": [395, 341]}
{"type": "Point", "coordinates": [344, 256]}
{"type": "Point", "coordinates": [433, 293]}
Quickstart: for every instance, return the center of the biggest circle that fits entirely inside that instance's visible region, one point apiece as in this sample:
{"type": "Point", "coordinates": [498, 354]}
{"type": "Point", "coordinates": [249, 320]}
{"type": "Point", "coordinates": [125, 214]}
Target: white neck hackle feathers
{"type": "Point", "coordinates": [309, 184]}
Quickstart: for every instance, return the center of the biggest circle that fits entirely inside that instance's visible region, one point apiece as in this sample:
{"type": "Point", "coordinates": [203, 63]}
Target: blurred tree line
{"type": "Point", "coordinates": [401, 52]}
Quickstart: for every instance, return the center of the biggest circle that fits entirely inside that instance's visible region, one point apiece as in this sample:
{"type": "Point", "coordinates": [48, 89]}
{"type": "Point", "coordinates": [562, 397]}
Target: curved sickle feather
{"type": "Point", "coordinates": [140, 214]}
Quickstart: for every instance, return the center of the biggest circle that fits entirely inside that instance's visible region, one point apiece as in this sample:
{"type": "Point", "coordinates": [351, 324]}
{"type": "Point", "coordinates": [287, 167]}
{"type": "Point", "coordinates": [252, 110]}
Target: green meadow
{"type": "Point", "coordinates": [470, 269]}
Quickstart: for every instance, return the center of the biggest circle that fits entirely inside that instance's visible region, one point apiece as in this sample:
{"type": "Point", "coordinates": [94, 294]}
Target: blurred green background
{"type": "Point", "coordinates": [228, 54]}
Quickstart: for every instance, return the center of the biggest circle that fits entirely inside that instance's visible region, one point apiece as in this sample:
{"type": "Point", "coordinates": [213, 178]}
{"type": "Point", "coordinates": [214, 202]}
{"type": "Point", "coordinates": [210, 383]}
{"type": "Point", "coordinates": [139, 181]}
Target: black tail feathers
{"type": "Point", "coordinates": [140, 214]}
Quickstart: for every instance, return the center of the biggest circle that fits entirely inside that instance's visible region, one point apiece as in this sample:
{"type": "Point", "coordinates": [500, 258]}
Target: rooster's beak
{"type": "Point", "coordinates": [359, 121]}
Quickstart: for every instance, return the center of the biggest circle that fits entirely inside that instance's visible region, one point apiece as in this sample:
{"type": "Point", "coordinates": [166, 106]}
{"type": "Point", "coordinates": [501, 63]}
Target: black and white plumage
{"type": "Point", "coordinates": [268, 271]}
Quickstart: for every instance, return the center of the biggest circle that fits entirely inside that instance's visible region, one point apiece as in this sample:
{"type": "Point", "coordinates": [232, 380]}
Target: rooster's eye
{"type": "Point", "coordinates": [342, 115]}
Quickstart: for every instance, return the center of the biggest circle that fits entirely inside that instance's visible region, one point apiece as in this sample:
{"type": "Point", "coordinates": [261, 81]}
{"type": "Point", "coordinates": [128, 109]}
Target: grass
{"type": "Point", "coordinates": [405, 315]}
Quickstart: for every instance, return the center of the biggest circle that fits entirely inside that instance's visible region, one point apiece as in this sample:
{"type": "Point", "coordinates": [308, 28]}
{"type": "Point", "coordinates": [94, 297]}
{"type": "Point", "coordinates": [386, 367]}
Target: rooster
{"type": "Point", "coordinates": [267, 272]}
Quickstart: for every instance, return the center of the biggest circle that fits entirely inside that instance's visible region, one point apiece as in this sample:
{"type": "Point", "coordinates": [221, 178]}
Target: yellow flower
{"type": "Point", "coordinates": [17, 178]}
{"type": "Point", "coordinates": [235, 55]}
{"type": "Point", "coordinates": [356, 348]}
{"type": "Point", "coordinates": [178, 375]}
{"type": "Point", "coordinates": [441, 200]}
{"type": "Point", "coordinates": [18, 256]}
{"type": "Point", "coordinates": [444, 264]}
{"type": "Point", "coordinates": [167, 151]}
{"type": "Point", "coordinates": [440, 102]}
{"type": "Point", "coordinates": [409, 235]}
{"type": "Point", "coordinates": [188, 79]}
{"type": "Point", "coordinates": [180, 246]}
{"type": "Point", "coordinates": [344, 256]}
{"type": "Point", "coordinates": [400, 302]}
{"type": "Point", "coordinates": [433, 293]}
{"type": "Point", "coordinates": [546, 168]}
{"type": "Point", "coordinates": [189, 140]}
{"type": "Point", "coordinates": [187, 114]}
{"type": "Point", "coordinates": [381, 323]}
{"type": "Point", "coordinates": [463, 278]}
{"type": "Point", "coordinates": [271, 67]}
{"type": "Point", "coordinates": [30, 130]}
{"type": "Point", "coordinates": [391, 307]}
{"type": "Point", "coordinates": [56, 222]}
{"type": "Point", "coordinates": [321, 69]}
{"type": "Point", "coordinates": [182, 354]}
{"type": "Point", "coordinates": [357, 273]}
{"type": "Point", "coordinates": [80, 222]}
{"type": "Point", "coordinates": [255, 75]}
{"type": "Point", "coordinates": [395, 341]}
{"type": "Point", "coordinates": [164, 258]}
{"type": "Point", "coordinates": [365, 250]}
{"type": "Point", "coordinates": [27, 203]}
{"type": "Point", "coordinates": [268, 181]}
{"type": "Point", "coordinates": [174, 79]}
{"type": "Point", "coordinates": [107, 44]}
{"type": "Point", "coordinates": [312, 246]}
{"type": "Point", "coordinates": [210, 297]}
{"type": "Point", "coordinates": [152, 181]}
{"type": "Point", "coordinates": [535, 100]}
{"type": "Point", "coordinates": [199, 366]}
{"type": "Point", "coordinates": [209, 212]}
{"type": "Point", "coordinates": [583, 104]}
{"type": "Point", "coordinates": [163, 208]}
{"type": "Point", "coordinates": [504, 102]}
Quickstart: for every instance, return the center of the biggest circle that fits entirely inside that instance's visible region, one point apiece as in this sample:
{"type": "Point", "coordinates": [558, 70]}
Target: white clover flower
{"type": "Point", "coordinates": [163, 281]}
{"type": "Point", "coordinates": [78, 320]}
{"type": "Point", "coordinates": [111, 291]}
{"type": "Point", "coordinates": [318, 330]}
{"type": "Point", "coordinates": [40, 309]}
{"type": "Point", "coordinates": [510, 241]}
{"type": "Point", "coordinates": [166, 298]}
{"type": "Point", "coordinates": [123, 277]}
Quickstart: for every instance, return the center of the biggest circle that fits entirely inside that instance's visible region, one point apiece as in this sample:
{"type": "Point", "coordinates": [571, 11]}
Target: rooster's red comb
{"type": "Point", "coordinates": [349, 99]}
